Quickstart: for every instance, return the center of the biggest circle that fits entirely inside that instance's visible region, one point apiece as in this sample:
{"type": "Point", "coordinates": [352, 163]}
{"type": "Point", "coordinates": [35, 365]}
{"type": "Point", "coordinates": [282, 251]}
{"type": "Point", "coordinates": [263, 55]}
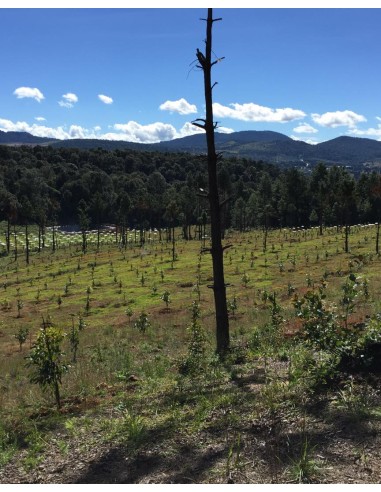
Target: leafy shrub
{"type": "Point", "coordinates": [142, 323]}
{"type": "Point", "coordinates": [195, 360]}
{"type": "Point", "coordinates": [46, 360]}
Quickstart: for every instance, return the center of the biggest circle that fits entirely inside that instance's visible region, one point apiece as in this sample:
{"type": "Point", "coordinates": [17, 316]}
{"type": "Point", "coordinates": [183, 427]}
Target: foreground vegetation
{"type": "Point", "coordinates": [142, 396]}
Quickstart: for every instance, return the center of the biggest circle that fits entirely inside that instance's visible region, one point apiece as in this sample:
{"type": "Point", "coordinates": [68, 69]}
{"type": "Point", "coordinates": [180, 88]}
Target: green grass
{"type": "Point", "coordinates": [115, 359]}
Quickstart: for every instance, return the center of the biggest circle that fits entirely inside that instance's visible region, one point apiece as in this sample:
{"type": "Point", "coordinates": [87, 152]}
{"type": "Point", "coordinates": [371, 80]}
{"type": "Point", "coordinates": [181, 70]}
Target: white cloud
{"type": "Point", "coordinates": [135, 132]}
{"type": "Point", "coordinates": [369, 132]}
{"type": "Point", "coordinates": [76, 131]}
{"type": "Point", "coordinates": [254, 112]}
{"type": "Point", "coordinates": [180, 106]}
{"type": "Point", "coordinates": [224, 129]}
{"type": "Point", "coordinates": [36, 130]}
{"type": "Point", "coordinates": [40, 118]}
{"type": "Point", "coordinates": [59, 132]}
{"type": "Point", "coordinates": [305, 128]}
{"type": "Point", "coordinates": [69, 100]}
{"type": "Point", "coordinates": [188, 129]}
{"type": "Point", "coordinates": [310, 141]}
{"type": "Point", "coordinates": [130, 131]}
{"type": "Point", "coordinates": [105, 99]}
{"type": "Point", "coordinates": [33, 93]}
{"type": "Point", "coordinates": [338, 118]}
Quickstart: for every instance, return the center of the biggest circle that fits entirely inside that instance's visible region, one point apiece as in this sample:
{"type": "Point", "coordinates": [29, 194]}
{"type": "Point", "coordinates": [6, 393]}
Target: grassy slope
{"type": "Point", "coordinates": [124, 395]}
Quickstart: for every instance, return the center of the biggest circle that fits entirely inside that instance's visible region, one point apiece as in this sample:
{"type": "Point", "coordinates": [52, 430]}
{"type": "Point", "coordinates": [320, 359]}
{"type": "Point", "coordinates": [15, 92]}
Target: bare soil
{"type": "Point", "coordinates": [345, 446]}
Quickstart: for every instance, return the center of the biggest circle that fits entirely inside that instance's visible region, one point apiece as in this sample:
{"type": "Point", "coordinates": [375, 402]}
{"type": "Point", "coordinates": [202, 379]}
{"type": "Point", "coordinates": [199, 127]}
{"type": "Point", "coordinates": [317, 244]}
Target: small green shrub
{"type": "Point", "coordinates": [22, 335]}
{"type": "Point", "coordinates": [46, 360]}
{"type": "Point", "coordinates": [142, 323]}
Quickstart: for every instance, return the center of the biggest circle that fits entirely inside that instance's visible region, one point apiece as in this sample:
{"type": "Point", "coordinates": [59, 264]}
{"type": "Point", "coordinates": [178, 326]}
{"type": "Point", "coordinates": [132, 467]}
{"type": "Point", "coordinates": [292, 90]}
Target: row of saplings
{"type": "Point", "coordinates": [338, 345]}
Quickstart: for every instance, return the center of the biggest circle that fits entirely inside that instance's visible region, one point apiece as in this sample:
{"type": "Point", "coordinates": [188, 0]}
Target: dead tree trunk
{"type": "Point", "coordinates": [219, 287]}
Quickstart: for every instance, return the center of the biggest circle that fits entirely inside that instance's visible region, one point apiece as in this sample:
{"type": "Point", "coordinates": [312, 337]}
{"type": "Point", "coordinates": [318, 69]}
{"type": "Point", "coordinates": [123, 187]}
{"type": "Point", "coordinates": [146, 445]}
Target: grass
{"type": "Point", "coordinates": [304, 468]}
{"type": "Point", "coordinates": [137, 372]}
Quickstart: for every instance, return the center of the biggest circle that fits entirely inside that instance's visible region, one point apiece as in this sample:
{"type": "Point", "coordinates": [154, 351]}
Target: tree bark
{"type": "Point", "coordinates": [8, 236]}
{"type": "Point", "coordinates": [26, 244]}
{"type": "Point", "coordinates": [219, 288]}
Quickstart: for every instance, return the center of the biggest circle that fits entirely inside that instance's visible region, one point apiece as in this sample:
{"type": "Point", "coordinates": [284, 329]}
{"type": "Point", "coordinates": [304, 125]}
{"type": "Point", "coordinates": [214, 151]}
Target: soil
{"type": "Point", "coordinates": [344, 447]}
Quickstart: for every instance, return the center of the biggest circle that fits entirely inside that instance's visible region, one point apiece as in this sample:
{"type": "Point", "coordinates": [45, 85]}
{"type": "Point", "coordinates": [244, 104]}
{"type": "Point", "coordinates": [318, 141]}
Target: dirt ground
{"type": "Point", "coordinates": [266, 449]}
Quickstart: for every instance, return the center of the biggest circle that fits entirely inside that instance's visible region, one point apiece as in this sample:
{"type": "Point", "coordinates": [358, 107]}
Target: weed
{"type": "Point", "coordinates": [355, 400]}
{"type": "Point", "coordinates": [195, 360]}
{"type": "Point", "coordinates": [304, 468]}
{"type": "Point", "coordinates": [7, 444]}
{"type": "Point", "coordinates": [36, 445]}
{"type": "Point", "coordinates": [127, 429]}
{"type": "Point", "coordinates": [234, 460]}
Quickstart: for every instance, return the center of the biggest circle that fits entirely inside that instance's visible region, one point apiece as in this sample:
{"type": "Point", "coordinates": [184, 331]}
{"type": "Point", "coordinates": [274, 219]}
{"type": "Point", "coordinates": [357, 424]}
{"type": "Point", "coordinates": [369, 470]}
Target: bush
{"type": "Point", "coordinates": [46, 360]}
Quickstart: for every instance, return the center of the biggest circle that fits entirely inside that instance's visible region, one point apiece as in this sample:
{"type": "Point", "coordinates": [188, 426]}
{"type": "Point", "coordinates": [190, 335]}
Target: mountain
{"type": "Point", "coordinates": [267, 146]}
{"type": "Point", "coordinates": [229, 141]}
{"type": "Point", "coordinates": [23, 138]}
{"type": "Point", "coordinates": [351, 149]}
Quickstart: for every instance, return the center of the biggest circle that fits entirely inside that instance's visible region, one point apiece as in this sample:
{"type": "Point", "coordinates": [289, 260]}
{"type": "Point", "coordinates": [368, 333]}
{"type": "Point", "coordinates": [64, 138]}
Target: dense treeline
{"type": "Point", "coordinates": [47, 186]}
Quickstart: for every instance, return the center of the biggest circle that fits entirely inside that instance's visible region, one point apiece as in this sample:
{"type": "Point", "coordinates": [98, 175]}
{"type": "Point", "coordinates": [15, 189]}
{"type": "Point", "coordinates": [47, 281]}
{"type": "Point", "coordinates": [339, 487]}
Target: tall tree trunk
{"type": "Point", "coordinates": [346, 245]}
{"type": "Point", "coordinates": [219, 288]}
{"type": "Point", "coordinates": [8, 236]}
{"type": "Point", "coordinates": [26, 244]}
{"type": "Point", "coordinates": [15, 236]}
{"type": "Point", "coordinates": [173, 244]}
{"type": "Point", "coordinates": [54, 238]}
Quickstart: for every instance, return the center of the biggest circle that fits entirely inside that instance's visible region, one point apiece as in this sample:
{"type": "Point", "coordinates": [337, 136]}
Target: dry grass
{"type": "Point", "coordinates": [115, 358]}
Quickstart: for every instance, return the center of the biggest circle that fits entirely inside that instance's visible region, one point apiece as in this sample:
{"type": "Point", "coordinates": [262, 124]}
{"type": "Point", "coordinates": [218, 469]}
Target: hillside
{"type": "Point", "coordinates": [268, 146]}
{"type": "Point", "coordinates": [289, 404]}
{"type": "Point", "coordinates": [22, 138]}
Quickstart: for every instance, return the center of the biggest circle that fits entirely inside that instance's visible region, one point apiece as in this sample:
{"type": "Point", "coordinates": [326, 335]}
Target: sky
{"type": "Point", "coordinates": [130, 74]}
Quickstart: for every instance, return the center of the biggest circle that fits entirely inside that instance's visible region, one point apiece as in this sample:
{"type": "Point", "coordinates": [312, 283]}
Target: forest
{"type": "Point", "coordinates": [48, 186]}
{"type": "Point", "coordinates": [108, 365]}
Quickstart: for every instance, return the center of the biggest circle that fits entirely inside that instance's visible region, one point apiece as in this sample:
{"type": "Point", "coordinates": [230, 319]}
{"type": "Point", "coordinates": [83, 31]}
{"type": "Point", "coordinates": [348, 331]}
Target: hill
{"type": "Point", "coordinates": [23, 138]}
{"type": "Point", "coordinates": [272, 147]}
{"type": "Point", "coordinates": [156, 405]}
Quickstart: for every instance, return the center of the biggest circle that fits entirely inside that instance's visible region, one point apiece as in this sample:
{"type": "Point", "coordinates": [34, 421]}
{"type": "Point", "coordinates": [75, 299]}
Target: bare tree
{"type": "Point", "coordinates": [217, 250]}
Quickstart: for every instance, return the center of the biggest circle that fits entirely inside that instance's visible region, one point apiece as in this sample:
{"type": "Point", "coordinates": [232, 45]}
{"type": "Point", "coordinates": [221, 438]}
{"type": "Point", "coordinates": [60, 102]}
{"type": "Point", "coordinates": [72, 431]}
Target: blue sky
{"type": "Point", "coordinates": [129, 74]}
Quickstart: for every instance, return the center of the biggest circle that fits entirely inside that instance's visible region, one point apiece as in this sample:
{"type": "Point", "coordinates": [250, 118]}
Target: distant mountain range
{"type": "Point", "coordinates": [268, 146]}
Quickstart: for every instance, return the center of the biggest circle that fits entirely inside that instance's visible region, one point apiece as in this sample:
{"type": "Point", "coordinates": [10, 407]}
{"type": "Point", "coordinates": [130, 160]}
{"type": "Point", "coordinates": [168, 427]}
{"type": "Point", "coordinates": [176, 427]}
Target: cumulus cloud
{"type": "Point", "coordinates": [188, 129]}
{"type": "Point", "coordinates": [76, 131]}
{"type": "Point", "coordinates": [68, 100]}
{"type": "Point", "coordinates": [40, 118]}
{"type": "Point", "coordinates": [369, 132]}
{"type": "Point", "coordinates": [224, 129]}
{"type": "Point", "coordinates": [254, 112]}
{"type": "Point", "coordinates": [338, 118]}
{"type": "Point", "coordinates": [130, 131]}
{"type": "Point", "coordinates": [310, 141]}
{"type": "Point", "coordinates": [135, 132]}
{"type": "Point", "coordinates": [33, 93]}
{"type": "Point", "coordinates": [36, 130]}
{"type": "Point", "coordinates": [60, 132]}
{"type": "Point", "coordinates": [105, 99]}
{"type": "Point", "coordinates": [305, 128]}
{"type": "Point", "coordinates": [180, 106]}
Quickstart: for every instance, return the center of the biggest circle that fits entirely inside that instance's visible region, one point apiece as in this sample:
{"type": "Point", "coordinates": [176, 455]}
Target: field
{"type": "Point", "coordinates": [151, 403]}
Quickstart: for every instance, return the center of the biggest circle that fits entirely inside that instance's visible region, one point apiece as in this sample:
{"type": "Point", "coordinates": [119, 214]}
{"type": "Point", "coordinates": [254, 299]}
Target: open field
{"type": "Point", "coordinates": [132, 413]}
